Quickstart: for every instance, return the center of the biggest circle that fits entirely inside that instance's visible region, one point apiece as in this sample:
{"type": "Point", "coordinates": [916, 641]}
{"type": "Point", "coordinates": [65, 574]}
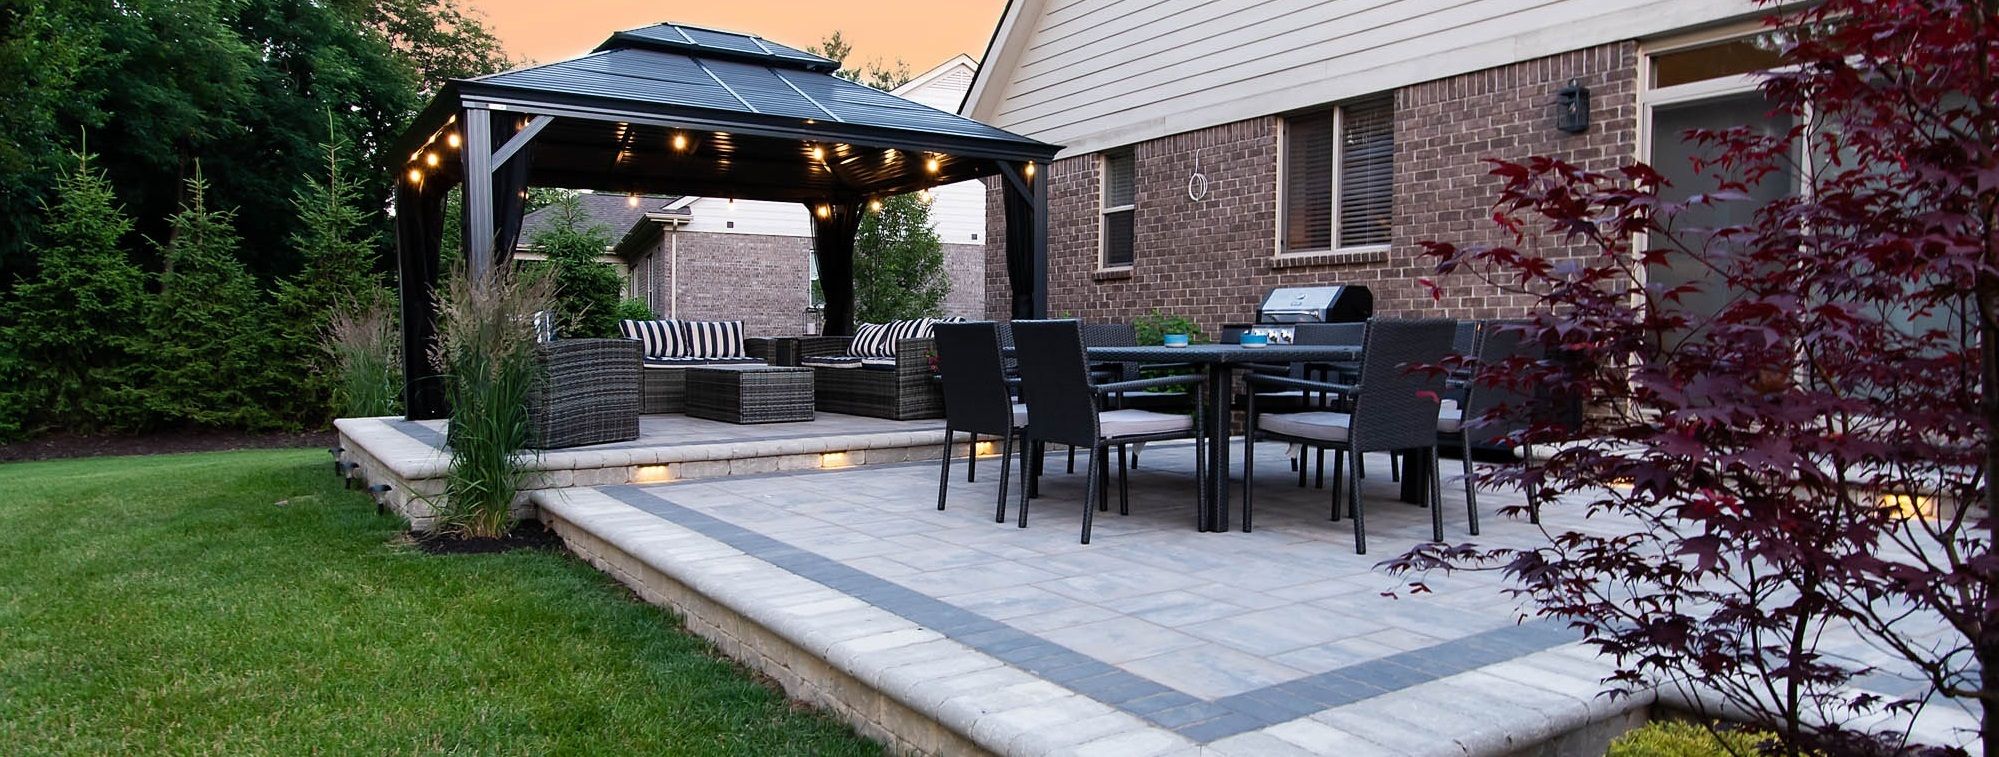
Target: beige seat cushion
{"type": "Point", "coordinates": [1331, 427]}
{"type": "Point", "coordinates": [1115, 423]}
{"type": "Point", "coordinates": [1450, 418]}
{"type": "Point", "coordinates": [1019, 415]}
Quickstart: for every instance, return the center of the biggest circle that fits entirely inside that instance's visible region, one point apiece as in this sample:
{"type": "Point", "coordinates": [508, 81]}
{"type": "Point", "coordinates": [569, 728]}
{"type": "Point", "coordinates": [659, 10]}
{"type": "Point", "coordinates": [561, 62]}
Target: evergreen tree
{"type": "Point", "coordinates": [337, 248]}
{"type": "Point", "coordinates": [209, 350]}
{"type": "Point", "coordinates": [586, 288]}
{"type": "Point", "coordinates": [69, 334]}
{"type": "Point", "coordinates": [898, 263]}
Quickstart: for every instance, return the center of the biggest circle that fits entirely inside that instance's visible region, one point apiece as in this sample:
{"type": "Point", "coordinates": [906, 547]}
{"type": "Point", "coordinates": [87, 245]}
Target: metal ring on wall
{"type": "Point", "coordinates": [1197, 186]}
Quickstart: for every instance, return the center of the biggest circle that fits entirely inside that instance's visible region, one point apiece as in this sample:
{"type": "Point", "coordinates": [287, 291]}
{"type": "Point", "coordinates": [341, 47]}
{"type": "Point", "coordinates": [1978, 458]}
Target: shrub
{"type": "Point", "coordinates": [1796, 445]}
{"type": "Point", "coordinates": [1679, 738]}
{"type": "Point", "coordinates": [898, 263]}
{"type": "Point", "coordinates": [209, 347]}
{"type": "Point", "coordinates": [69, 335]}
{"type": "Point", "coordinates": [486, 354]}
{"type": "Point", "coordinates": [366, 379]}
{"type": "Point", "coordinates": [586, 288]}
{"type": "Point", "coordinates": [336, 244]}
{"type": "Point", "coordinates": [634, 309]}
{"type": "Point", "coordinates": [1153, 328]}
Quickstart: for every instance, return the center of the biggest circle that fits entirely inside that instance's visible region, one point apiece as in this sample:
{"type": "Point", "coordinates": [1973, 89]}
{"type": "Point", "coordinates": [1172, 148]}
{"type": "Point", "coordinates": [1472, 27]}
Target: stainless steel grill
{"type": "Point", "coordinates": [1285, 307]}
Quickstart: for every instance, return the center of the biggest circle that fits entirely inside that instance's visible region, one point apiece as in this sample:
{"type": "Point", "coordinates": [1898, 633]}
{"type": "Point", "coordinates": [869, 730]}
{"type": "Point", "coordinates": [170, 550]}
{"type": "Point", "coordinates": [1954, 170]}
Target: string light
{"type": "Point", "coordinates": [679, 141]}
{"type": "Point", "coordinates": [931, 164]}
{"type": "Point", "coordinates": [416, 176]}
{"type": "Point", "coordinates": [631, 201]}
{"type": "Point", "coordinates": [453, 140]}
{"type": "Point", "coordinates": [924, 196]}
{"type": "Point", "coordinates": [818, 153]}
{"type": "Point", "coordinates": [1030, 170]}
{"type": "Point", "coordinates": [825, 211]}
{"type": "Point", "coordinates": [430, 159]}
{"type": "Point", "coordinates": [875, 205]}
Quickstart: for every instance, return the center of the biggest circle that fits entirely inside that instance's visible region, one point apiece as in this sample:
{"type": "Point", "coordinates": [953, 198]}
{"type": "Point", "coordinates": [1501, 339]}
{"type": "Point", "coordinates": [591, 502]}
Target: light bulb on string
{"type": "Point", "coordinates": [679, 141]}
{"type": "Point", "coordinates": [430, 159]}
{"type": "Point", "coordinates": [454, 140]}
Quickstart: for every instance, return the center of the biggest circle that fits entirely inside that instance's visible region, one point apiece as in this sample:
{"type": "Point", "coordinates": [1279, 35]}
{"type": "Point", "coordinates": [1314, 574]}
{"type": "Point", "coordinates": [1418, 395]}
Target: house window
{"type": "Point", "coordinates": [1120, 202]}
{"type": "Point", "coordinates": [1339, 177]}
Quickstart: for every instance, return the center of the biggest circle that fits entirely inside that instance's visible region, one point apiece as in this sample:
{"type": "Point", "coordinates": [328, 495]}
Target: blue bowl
{"type": "Point", "coordinates": [1174, 340]}
{"type": "Point", "coordinates": [1255, 340]}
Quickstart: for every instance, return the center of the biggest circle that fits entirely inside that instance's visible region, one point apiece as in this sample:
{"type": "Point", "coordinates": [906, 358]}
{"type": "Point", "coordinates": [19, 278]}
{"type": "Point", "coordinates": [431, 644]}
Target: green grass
{"type": "Point", "coordinates": [170, 604]}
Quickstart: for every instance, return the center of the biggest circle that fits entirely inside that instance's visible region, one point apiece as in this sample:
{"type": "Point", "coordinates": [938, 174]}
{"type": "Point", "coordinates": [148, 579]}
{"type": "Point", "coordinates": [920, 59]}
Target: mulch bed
{"type": "Point", "coordinates": [66, 445]}
{"type": "Point", "coordinates": [527, 534]}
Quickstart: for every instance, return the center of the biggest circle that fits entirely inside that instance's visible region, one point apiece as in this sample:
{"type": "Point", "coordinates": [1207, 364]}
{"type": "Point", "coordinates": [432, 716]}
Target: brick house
{"type": "Point", "coordinates": [714, 258]}
{"type": "Point", "coordinates": [1215, 151]}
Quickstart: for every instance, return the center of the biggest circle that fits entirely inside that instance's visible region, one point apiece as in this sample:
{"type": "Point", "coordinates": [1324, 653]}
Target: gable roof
{"type": "Point", "coordinates": [614, 213]}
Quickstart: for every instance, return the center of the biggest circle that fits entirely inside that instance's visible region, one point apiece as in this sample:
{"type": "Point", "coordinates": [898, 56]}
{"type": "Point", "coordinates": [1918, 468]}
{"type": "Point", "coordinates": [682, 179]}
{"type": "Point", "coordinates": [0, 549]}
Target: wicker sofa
{"type": "Point", "coordinates": [663, 386]}
{"type": "Point", "coordinates": [587, 393]}
{"type": "Point", "coordinates": [899, 388]}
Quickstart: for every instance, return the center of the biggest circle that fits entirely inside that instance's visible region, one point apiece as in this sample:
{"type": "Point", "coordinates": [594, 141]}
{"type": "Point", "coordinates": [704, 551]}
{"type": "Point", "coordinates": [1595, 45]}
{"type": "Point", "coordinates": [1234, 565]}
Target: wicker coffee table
{"type": "Point", "coordinates": [749, 393]}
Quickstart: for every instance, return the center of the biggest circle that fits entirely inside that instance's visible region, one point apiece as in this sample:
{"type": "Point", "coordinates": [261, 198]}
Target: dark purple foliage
{"type": "Point", "coordinates": [1763, 456]}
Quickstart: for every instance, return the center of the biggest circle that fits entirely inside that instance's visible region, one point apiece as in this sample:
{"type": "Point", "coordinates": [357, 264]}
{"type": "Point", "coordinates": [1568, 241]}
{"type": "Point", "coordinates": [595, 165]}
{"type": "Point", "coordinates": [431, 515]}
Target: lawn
{"type": "Point", "coordinates": [242, 602]}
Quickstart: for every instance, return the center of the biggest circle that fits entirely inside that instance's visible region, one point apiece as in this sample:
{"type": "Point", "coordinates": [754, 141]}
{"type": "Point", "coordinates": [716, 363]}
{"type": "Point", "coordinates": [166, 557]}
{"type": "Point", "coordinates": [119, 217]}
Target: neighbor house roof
{"type": "Point", "coordinates": [615, 213]}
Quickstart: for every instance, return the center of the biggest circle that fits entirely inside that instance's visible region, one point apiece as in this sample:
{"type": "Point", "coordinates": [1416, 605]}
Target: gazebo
{"type": "Point", "coordinates": [678, 109]}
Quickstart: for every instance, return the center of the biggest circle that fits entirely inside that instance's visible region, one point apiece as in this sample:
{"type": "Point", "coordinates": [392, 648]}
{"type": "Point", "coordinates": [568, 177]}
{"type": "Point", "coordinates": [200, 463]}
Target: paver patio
{"type": "Point", "coordinates": [1154, 634]}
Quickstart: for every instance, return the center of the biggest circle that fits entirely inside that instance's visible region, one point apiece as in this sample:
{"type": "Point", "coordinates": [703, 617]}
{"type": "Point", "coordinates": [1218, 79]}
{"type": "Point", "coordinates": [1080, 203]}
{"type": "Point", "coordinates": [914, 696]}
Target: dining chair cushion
{"type": "Point", "coordinates": [1019, 415]}
{"type": "Point", "coordinates": [1324, 426]}
{"type": "Point", "coordinates": [1450, 417]}
{"type": "Point", "coordinates": [1116, 423]}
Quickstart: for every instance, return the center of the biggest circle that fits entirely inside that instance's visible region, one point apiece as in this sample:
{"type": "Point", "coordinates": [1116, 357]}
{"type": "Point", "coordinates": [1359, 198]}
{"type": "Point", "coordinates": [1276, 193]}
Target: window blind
{"type": "Point", "coordinates": [1367, 172]}
{"type": "Point", "coordinates": [1308, 182]}
{"type": "Point", "coordinates": [1120, 194]}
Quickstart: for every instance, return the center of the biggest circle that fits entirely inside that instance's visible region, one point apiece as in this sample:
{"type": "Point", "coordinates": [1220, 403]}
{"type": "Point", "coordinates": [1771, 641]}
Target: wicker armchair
{"type": "Point", "coordinates": [588, 393]}
{"type": "Point", "coordinates": [905, 392]}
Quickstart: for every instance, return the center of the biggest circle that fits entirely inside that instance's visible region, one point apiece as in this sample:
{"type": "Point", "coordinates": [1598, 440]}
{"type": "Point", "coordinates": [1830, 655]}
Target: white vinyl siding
{"type": "Point", "coordinates": [1090, 74]}
{"type": "Point", "coordinates": [1120, 205]}
{"type": "Point", "coordinates": [1338, 177]}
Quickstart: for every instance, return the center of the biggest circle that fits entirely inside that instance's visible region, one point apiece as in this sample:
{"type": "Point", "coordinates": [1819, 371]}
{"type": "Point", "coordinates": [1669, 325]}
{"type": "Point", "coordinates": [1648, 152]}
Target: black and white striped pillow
{"type": "Point", "coordinates": [656, 338]}
{"type": "Point", "coordinates": [713, 339]}
{"type": "Point", "coordinates": [870, 342]}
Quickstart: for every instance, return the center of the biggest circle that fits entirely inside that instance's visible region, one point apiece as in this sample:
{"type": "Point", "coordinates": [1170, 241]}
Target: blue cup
{"type": "Point", "coordinates": [1175, 340]}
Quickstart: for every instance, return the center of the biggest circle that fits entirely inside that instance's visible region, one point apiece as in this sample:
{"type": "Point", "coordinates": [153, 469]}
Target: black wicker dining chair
{"type": "Point", "coordinates": [1338, 335]}
{"type": "Point", "coordinates": [1468, 422]}
{"type": "Point", "coordinates": [977, 399]}
{"type": "Point", "coordinates": [1393, 407]}
{"type": "Point", "coordinates": [1063, 407]}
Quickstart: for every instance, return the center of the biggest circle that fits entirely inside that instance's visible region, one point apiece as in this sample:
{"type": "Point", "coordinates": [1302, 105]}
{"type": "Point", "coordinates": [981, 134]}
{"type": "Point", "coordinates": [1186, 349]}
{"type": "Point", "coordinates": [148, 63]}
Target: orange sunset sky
{"type": "Point", "coordinates": [922, 32]}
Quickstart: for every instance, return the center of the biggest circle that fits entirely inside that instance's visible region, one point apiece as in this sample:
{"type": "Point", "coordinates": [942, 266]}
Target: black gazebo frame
{"type": "Point", "coordinates": [676, 109]}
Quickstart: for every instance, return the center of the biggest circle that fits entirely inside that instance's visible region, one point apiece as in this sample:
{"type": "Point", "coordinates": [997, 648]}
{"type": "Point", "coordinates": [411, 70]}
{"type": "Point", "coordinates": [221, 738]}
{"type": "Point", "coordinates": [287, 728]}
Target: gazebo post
{"type": "Point", "coordinates": [1026, 195]}
{"type": "Point", "coordinates": [478, 200]}
{"type": "Point", "coordinates": [833, 228]}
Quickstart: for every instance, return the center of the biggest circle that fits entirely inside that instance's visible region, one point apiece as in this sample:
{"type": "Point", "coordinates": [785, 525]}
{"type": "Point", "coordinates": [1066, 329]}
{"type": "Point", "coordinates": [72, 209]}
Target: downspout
{"type": "Point", "coordinates": [673, 273]}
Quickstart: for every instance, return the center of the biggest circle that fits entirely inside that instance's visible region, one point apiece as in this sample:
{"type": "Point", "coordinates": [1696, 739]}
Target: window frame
{"type": "Point", "coordinates": [1338, 111]}
{"type": "Point", "coordinates": [1105, 210]}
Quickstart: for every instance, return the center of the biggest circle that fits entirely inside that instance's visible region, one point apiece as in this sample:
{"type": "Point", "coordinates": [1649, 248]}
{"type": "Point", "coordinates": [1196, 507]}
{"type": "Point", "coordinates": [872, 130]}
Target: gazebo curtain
{"type": "Point", "coordinates": [419, 234]}
{"type": "Point", "coordinates": [833, 246]}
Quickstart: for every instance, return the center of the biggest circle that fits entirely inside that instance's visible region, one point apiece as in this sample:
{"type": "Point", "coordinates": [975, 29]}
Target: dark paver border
{"type": "Point", "coordinates": [1201, 720]}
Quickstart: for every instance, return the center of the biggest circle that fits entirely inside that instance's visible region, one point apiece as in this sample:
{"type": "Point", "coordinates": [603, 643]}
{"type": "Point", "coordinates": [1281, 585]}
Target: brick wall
{"type": "Point", "coordinates": [757, 279]}
{"type": "Point", "coordinates": [1214, 258]}
{"type": "Point", "coordinates": [965, 264]}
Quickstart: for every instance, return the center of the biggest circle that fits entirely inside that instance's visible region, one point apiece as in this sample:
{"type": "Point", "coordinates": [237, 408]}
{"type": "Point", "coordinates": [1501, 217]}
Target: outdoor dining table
{"type": "Point", "coordinates": [1220, 362]}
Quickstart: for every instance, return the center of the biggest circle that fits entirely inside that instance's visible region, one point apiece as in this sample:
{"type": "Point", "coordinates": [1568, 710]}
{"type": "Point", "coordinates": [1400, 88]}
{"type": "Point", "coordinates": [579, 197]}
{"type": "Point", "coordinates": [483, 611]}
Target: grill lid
{"type": "Point", "coordinates": [1332, 303]}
